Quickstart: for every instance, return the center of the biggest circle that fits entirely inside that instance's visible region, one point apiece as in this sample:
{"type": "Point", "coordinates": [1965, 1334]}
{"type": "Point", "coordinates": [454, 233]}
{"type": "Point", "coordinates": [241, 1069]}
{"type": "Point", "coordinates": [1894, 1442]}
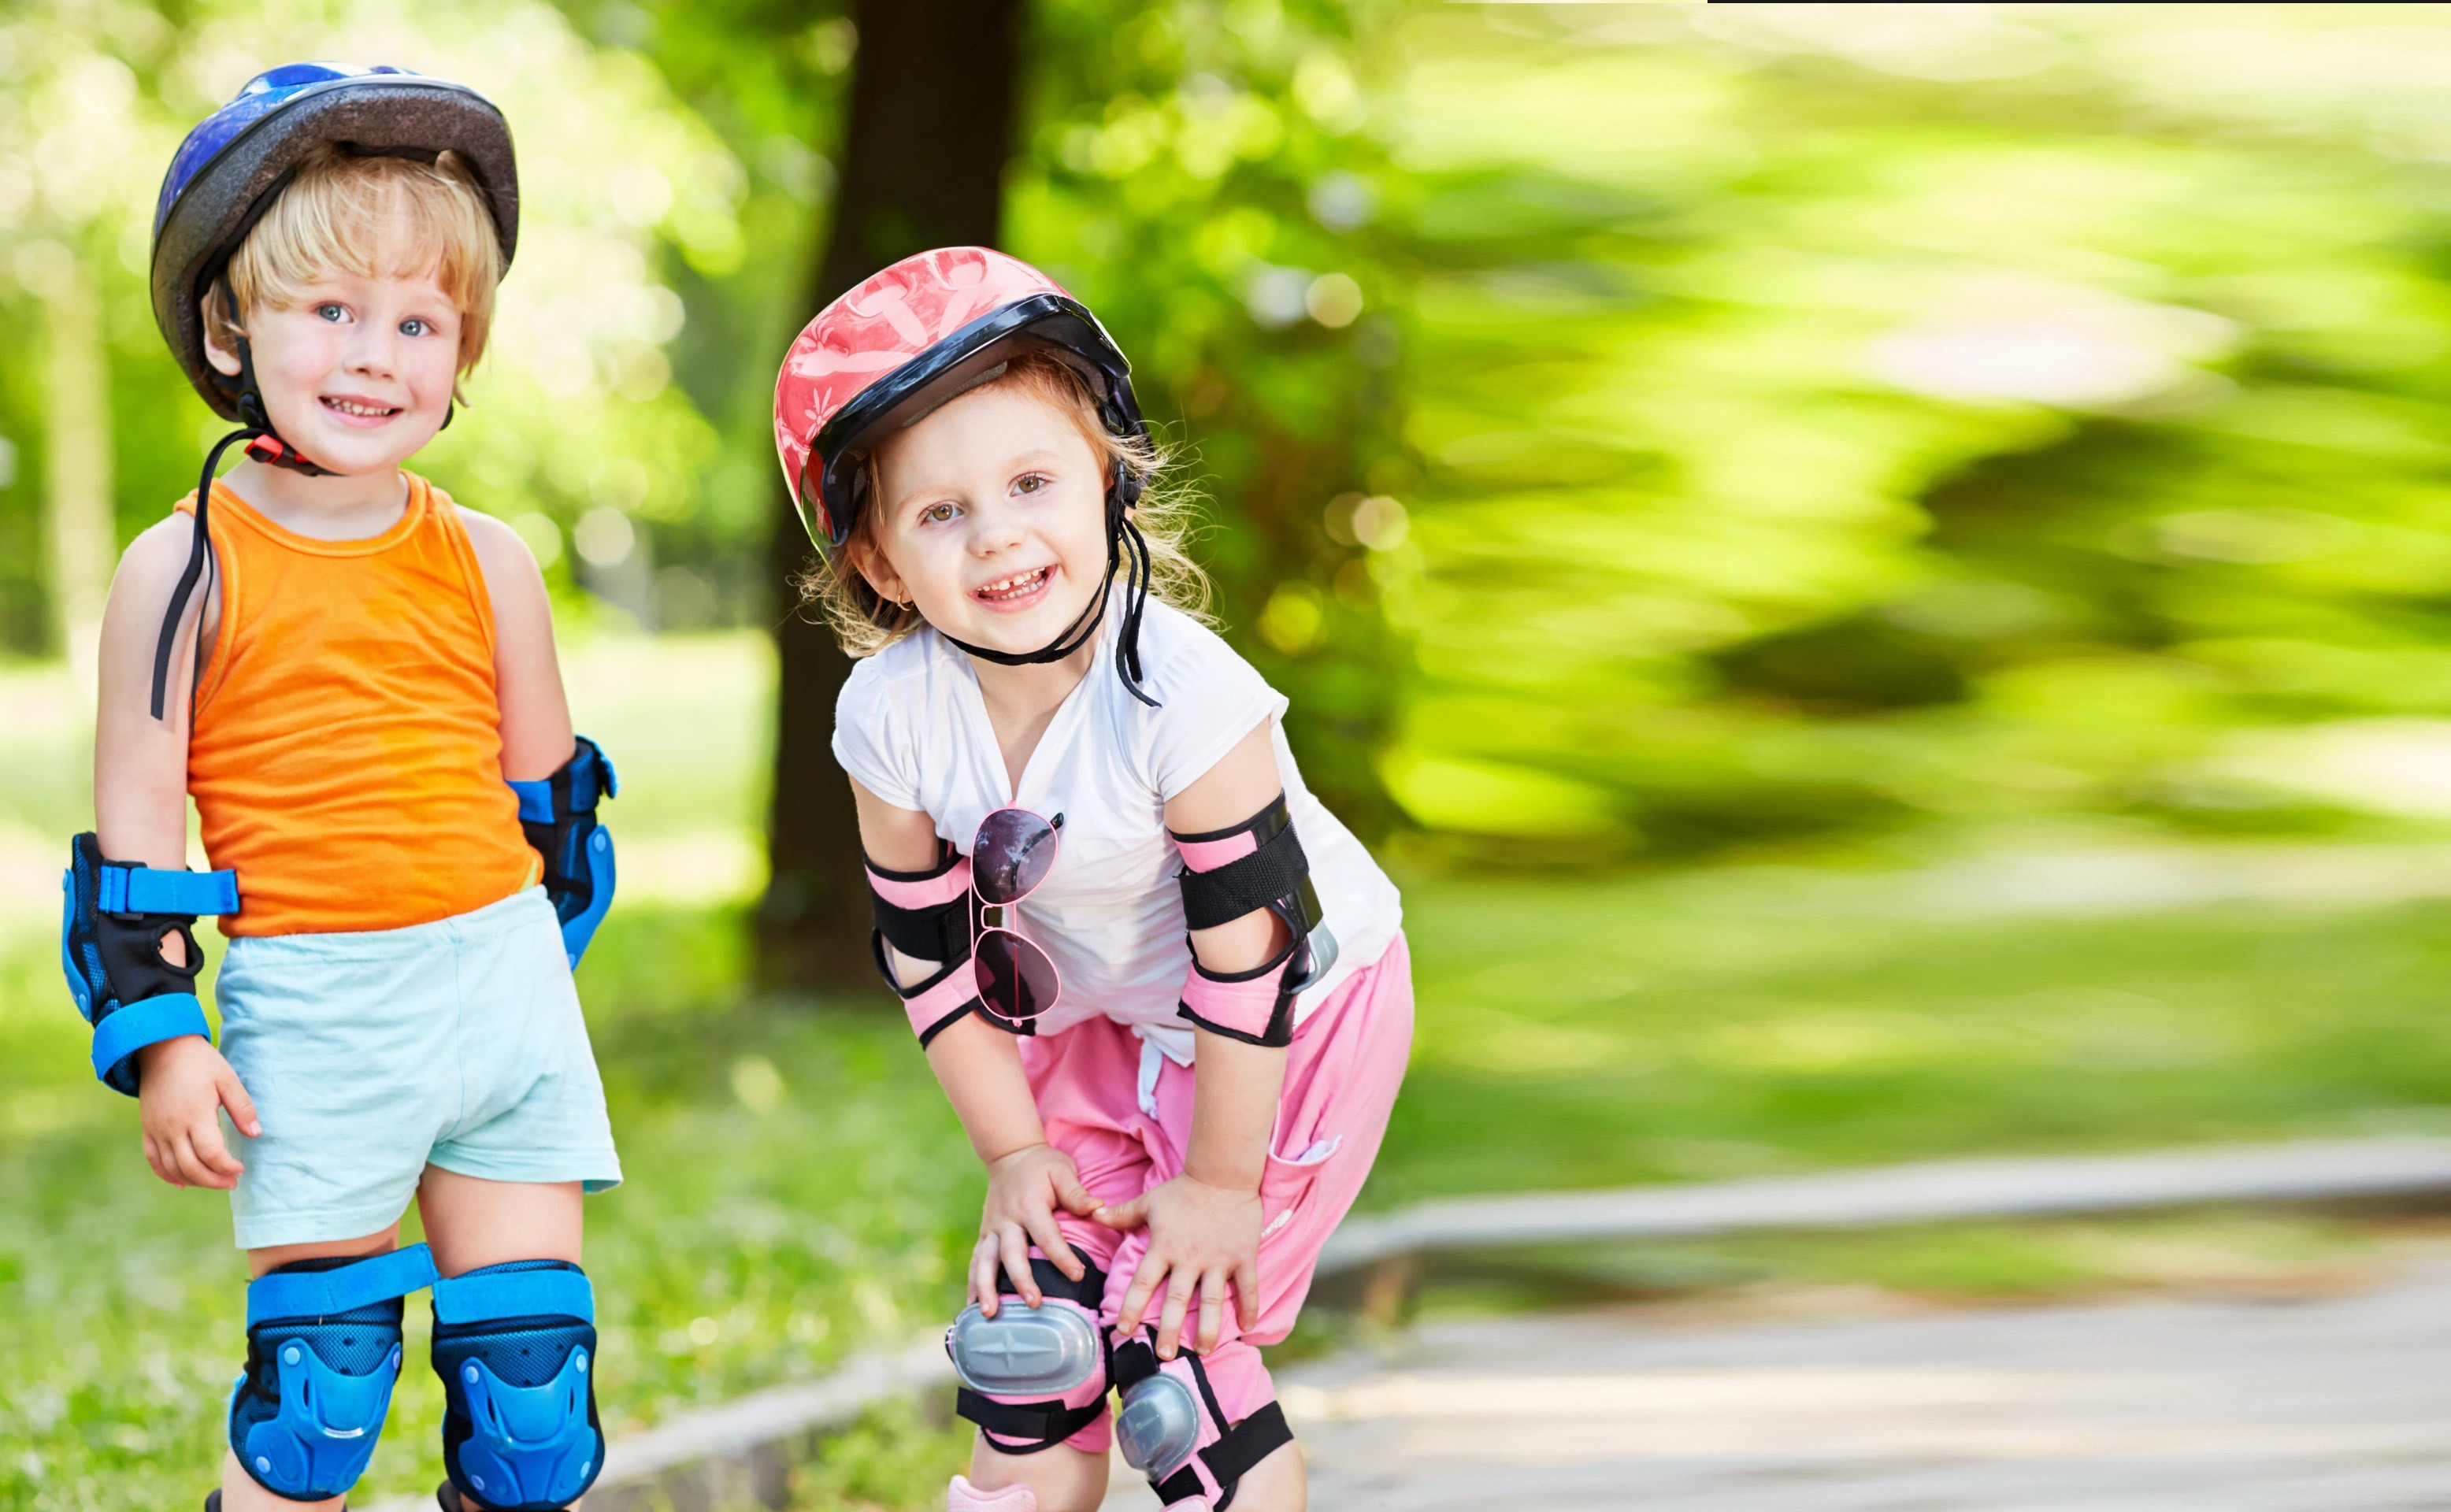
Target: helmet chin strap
{"type": "Point", "coordinates": [1127, 550]}
{"type": "Point", "coordinates": [264, 444]}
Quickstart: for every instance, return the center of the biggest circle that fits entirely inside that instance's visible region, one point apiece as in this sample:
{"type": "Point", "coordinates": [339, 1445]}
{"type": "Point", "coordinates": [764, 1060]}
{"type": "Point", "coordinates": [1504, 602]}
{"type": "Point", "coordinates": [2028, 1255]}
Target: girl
{"type": "Point", "coordinates": [1164, 988]}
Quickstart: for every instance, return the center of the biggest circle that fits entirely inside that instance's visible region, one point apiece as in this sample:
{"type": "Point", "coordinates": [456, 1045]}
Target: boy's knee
{"type": "Point", "coordinates": [514, 1345]}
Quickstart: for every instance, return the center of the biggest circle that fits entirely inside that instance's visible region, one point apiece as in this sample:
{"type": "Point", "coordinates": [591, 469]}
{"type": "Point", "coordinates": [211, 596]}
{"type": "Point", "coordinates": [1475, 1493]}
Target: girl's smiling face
{"type": "Point", "coordinates": [358, 374]}
{"type": "Point", "coordinates": [991, 518]}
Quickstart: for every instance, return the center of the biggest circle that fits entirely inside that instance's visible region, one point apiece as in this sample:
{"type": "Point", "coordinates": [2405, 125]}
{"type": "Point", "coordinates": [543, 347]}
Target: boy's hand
{"type": "Point", "coordinates": [1025, 1187]}
{"type": "Point", "coordinates": [1201, 1237]}
{"type": "Point", "coordinates": [183, 1084]}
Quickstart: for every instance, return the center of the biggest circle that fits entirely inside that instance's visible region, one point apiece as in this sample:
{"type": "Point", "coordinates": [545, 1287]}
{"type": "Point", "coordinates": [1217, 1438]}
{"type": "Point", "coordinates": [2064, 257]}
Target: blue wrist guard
{"type": "Point", "coordinates": [112, 925]}
{"type": "Point", "coordinates": [559, 814]}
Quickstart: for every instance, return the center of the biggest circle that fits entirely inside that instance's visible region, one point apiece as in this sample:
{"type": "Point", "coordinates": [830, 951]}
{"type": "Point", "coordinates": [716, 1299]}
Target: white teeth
{"type": "Point", "coordinates": [351, 407]}
{"type": "Point", "coordinates": [1005, 587]}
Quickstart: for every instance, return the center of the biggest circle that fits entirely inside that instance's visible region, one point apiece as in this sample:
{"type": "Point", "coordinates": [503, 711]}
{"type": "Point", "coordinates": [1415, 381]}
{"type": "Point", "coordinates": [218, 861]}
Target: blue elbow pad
{"type": "Point", "coordinates": [111, 923]}
{"type": "Point", "coordinates": [559, 816]}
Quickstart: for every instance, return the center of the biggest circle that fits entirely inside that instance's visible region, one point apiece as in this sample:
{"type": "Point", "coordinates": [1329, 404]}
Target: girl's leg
{"type": "Point", "coordinates": [239, 1491]}
{"type": "Point", "coordinates": [473, 1224]}
{"type": "Point", "coordinates": [1082, 1081]}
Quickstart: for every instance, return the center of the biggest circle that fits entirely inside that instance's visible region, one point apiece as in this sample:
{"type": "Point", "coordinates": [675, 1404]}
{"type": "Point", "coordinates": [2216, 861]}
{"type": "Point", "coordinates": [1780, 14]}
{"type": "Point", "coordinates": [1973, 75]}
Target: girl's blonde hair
{"type": "Point", "coordinates": [370, 217]}
{"type": "Point", "coordinates": [865, 622]}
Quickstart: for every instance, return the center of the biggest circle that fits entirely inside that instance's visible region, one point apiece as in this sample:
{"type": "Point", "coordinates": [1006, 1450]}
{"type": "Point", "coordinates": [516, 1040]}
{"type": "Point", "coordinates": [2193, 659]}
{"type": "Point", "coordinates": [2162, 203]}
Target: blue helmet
{"type": "Point", "coordinates": [229, 168]}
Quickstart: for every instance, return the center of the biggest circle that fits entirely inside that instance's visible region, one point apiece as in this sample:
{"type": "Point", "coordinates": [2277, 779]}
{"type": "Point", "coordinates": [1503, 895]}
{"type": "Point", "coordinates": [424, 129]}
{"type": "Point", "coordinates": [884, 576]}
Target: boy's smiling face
{"type": "Point", "coordinates": [358, 374]}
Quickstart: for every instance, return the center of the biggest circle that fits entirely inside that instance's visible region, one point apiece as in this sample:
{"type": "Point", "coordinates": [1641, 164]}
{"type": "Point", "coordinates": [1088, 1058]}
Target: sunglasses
{"type": "Point", "coordinates": [1012, 853]}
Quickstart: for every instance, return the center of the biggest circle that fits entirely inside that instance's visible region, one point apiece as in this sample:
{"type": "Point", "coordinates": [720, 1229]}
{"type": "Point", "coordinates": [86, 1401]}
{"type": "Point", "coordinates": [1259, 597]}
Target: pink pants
{"type": "Point", "coordinates": [1127, 1135]}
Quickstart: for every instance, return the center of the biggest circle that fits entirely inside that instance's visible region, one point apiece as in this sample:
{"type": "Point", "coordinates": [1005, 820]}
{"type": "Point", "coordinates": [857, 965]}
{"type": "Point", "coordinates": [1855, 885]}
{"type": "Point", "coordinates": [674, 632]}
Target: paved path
{"type": "Point", "coordinates": [2339, 1403]}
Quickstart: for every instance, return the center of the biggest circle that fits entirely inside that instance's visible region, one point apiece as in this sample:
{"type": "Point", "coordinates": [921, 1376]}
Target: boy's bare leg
{"type": "Point", "coordinates": [239, 1491]}
{"type": "Point", "coordinates": [1063, 1479]}
{"type": "Point", "coordinates": [472, 1221]}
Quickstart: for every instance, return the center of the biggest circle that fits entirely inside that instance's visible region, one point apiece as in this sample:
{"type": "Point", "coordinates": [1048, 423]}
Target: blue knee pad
{"type": "Point", "coordinates": [514, 1345]}
{"type": "Point", "coordinates": [323, 1351]}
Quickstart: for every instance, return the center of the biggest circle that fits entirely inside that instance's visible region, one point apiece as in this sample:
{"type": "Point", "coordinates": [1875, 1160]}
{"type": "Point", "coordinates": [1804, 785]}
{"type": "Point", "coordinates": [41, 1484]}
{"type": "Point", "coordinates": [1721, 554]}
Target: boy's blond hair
{"type": "Point", "coordinates": [370, 217]}
{"type": "Point", "coordinates": [866, 622]}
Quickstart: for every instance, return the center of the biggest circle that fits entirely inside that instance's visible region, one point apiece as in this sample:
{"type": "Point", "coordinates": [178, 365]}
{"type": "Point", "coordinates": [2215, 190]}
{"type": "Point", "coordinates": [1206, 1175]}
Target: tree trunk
{"type": "Point", "coordinates": [81, 535]}
{"type": "Point", "coordinates": [930, 130]}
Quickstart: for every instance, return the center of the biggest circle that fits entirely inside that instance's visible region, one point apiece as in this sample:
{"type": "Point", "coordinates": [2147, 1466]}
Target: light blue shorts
{"type": "Point", "coordinates": [371, 1055]}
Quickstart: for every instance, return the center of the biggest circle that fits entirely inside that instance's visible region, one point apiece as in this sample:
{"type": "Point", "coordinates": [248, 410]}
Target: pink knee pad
{"type": "Point", "coordinates": [1175, 1430]}
{"type": "Point", "coordinates": [1033, 1377]}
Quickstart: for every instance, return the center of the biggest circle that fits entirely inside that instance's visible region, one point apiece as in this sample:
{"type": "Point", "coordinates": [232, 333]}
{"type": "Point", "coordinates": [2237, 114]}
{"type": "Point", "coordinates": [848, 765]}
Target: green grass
{"type": "Point", "coordinates": [797, 1189]}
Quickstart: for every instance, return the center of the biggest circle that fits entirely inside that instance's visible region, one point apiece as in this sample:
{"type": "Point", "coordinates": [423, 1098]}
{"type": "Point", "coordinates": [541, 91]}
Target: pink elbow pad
{"type": "Point", "coordinates": [927, 915]}
{"type": "Point", "coordinates": [1256, 1005]}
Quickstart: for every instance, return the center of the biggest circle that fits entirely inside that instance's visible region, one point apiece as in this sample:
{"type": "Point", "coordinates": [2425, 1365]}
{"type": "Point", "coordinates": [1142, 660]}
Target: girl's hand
{"type": "Point", "coordinates": [183, 1084]}
{"type": "Point", "coordinates": [1201, 1237]}
{"type": "Point", "coordinates": [1025, 1187]}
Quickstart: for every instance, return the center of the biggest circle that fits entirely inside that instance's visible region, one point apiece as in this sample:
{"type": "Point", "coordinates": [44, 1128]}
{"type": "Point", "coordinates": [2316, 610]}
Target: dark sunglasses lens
{"type": "Point", "coordinates": [1016, 981]}
{"type": "Point", "coordinates": [1011, 856]}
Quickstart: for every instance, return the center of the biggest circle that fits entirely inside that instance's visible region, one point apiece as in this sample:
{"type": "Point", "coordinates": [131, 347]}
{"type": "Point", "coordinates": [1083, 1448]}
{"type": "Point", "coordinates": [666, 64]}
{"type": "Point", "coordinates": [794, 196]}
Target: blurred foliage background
{"type": "Point", "coordinates": [1879, 573]}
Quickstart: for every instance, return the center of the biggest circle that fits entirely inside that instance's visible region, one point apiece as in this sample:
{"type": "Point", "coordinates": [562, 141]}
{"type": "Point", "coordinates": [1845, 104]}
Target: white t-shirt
{"type": "Point", "coordinates": [912, 727]}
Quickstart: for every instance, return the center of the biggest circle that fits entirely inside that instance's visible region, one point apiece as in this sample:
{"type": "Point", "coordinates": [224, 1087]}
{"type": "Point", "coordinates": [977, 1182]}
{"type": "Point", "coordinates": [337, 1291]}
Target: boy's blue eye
{"type": "Point", "coordinates": [413, 326]}
{"type": "Point", "coordinates": [330, 312]}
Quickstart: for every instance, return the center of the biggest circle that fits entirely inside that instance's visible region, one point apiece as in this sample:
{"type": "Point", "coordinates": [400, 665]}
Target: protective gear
{"type": "Point", "coordinates": [559, 816]}
{"type": "Point", "coordinates": [224, 175]}
{"type": "Point", "coordinates": [919, 333]}
{"type": "Point", "coordinates": [323, 1352]}
{"type": "Point", "coordinates": [1173, 1431]}
{"type": "Point", "coordinates": [1051, 1356]}
{"type": "Point", "coordinates": [111, 924]}
{"type": "Point", "coordinates": [1227, 874]}
{"type": "Point", "coordinates": [514, 1345]}
{"type": "Point", "coordinates": [927, 915]}
{"type": "Point", "coordinates": [963, 1497]}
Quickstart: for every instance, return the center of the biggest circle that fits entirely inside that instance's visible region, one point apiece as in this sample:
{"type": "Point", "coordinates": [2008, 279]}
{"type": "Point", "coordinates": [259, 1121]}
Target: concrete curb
{"type": "Point", "coordinates": [740, 1454]}
{"type": "Point", "coordinates": [1925, 1192]}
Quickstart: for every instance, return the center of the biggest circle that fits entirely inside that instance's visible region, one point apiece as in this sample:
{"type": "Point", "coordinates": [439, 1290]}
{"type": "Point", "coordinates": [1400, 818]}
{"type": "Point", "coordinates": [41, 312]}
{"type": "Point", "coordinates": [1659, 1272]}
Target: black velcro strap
{"type": "Point", "coordinates": [1245, 1444]}
{"type": "Point", "coordinates": [1274, 870]}
{"type": "Point", "coordinates": [1038, 1425]}
{"type": "Point", "coordinates": [1180, 1486]}
{"type": "Point", "coordinates": [1132, 1362]}
{"type": "Point", "coordinates": [1088, 1293]}
{"type": "Point", "coordinates": [938, 932]}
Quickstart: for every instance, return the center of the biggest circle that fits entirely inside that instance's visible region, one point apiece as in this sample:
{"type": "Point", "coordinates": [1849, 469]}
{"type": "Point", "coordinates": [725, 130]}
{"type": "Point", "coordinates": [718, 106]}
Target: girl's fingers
{"type": "Point", "coordinates": [153, 1158]}
{"type": "Point", "coordinates": [1213, 1310]}
{"type": "Point", "coordinates": [1049, 1240]}
{"type": "Point", "coordinates": [1075, 1197]}
{"type": "Point", "coordinates": [1247, 1293]}
{"type": "Point", "coordinates": [1144, 1286]}
{"type": "Point", "coordinates": [1125, 1215]}
{"type": "Point", "coordinates": [1016, 1263]}
{"type": "Point", "coordinates": [982, 1263]}
{"type": "Point", "coordinates": [1169, 1323]}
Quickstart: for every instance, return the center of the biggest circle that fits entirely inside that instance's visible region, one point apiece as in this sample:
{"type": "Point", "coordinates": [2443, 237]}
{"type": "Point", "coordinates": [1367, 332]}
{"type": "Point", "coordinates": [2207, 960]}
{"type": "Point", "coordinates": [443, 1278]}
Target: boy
{"type": "Point", "coordinates": [355, 681]}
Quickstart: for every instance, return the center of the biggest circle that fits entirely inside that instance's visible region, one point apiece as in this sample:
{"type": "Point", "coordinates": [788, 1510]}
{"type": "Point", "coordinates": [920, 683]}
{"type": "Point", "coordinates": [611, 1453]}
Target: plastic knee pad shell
{"type": "Point", "coordinates": [322, 1353]}
{"type": "Point", "coordinates": [515, 1346]}
{"type": "Point", "coordinates": [1172, 1429]}
{"type": "Point", "coordinates": [1033, 1377]}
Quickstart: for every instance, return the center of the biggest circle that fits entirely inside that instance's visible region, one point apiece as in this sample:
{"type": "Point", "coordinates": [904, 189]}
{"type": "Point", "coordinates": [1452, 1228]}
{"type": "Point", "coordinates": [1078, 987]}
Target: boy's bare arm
{"type": "Point", "coordinates": [527, 675]}
{"type": "Point", "coordinates": [140, 763]}
{"type": "Point", "coordinates": [140, 802]}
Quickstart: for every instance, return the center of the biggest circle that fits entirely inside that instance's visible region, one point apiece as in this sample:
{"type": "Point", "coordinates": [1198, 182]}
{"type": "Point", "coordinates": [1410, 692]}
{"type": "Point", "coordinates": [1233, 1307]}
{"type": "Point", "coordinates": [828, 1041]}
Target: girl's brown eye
{"type": "Point", "coordinates": [1031, 483]}
{"type": "Point", "coordinates": [937, 514]}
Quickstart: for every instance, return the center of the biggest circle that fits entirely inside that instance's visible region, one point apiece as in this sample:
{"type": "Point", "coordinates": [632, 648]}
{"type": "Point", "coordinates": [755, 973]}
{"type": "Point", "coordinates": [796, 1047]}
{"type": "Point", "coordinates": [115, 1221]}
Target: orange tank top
{"type": "Point", "coordinates": [346, 758]}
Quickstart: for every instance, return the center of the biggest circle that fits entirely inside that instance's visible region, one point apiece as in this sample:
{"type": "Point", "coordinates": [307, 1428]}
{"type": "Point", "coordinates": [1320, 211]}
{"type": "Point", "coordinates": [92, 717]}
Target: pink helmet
{"type": "Point", "coordinates": [905, 341]}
